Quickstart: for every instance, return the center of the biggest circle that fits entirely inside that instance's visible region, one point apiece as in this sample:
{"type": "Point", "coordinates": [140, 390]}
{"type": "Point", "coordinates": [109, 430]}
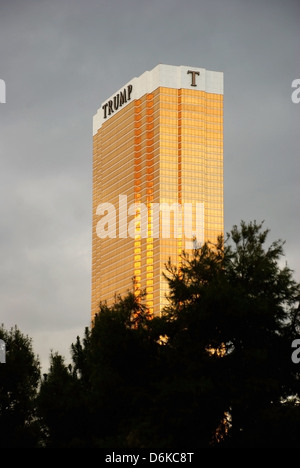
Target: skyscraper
{"type": "Point", "coordinates": [157, 179]}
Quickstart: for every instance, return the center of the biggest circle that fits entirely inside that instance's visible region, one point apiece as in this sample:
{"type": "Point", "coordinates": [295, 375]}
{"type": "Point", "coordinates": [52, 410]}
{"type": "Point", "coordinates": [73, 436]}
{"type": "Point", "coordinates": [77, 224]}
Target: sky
{"type": "Point", "coordinates": [60, 60]}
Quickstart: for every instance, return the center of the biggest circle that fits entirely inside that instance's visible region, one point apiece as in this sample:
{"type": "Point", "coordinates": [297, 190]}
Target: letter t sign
{"type": "Point", "coordinates": [193, 73]}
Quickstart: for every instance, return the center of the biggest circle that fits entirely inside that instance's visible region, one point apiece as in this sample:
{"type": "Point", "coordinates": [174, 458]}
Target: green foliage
{"type": "Point", "coordinates": [214, 370]}
{"type": "Point", "coordinates": [61, 405]}
{"type": "Point", "coordinates": [19, 379]}
{"type": "Point", "coordinates": [237, 302]}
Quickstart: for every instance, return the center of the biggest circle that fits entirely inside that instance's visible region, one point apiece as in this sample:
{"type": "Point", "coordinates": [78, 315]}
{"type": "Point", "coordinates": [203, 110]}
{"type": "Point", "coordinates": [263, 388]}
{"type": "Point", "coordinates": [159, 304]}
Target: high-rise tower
{"type": "Point", "coordinates": [157, 178]}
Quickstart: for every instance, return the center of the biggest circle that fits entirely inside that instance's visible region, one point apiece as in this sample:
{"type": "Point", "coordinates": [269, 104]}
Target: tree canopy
{"type": "Point", "coordinates": [19, 379]}
{"type": "Point", "coordinates": [214, 370]}
{"type": "Point", "coordinates": [234, 301]}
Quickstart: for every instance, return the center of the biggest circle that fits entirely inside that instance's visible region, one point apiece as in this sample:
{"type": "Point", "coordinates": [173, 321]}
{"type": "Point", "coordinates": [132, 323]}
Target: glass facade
{"type": "Point", "coordinates": [157, 165]}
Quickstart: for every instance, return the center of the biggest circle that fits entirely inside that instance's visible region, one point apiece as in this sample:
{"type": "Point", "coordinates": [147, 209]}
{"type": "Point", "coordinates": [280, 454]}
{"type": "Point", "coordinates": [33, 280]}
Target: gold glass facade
{"type": "Point", "coordinates": [166, 146]}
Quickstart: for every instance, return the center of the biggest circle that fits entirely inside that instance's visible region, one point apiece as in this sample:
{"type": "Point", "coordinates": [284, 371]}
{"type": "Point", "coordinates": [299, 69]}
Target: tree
{"type": "Point", "coordinates": [115, 364]}
{"type": "Point", "coordinates": [96, 401]}
{"type": "Point", "coordinates": [19, 379]}
{"type": "Point", "coordinates": [214, 370]}
{"type": "Point", "coordinates": [61, 406]}
{"type": "Point", "coordinates": [234, 303]}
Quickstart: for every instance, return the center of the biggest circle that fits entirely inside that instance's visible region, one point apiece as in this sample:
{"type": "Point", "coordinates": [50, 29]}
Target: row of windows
{"type": "Point", "coordinates": [211, 204]}
{"type": "Point", "coordinates": [171, 191]}
{"type": "Point", "coordinates": [165, 170]}
{"type": "Point", "coordinates": [196, 178]}
{"type": "Point", "coordinates": [127, 142]}
{"type": "Point", "coordinates": [189, 169]}
{"type": "Point", "coordinates": [181, 117]}
{"type": "Point", "coordinates": [166, 122]}
{"type": "Point", "coordinates": [200, 158]}
{"type": "Point", "coordinates": [198, 149]}
{"type": "Point", "coordinates": [207, 190]}
{"type": "Point", "coordinates": [207, 134]}
{"type": "Point", "coordinates": [166, 118]}
{"type": "Point", "coordinates": [172, 117]}
{"type": "Point", "coordinates": [153, 261]}
{"type": "Point", "coordinates": [205, 168]}
{"type": "Point", "coordinates": [125, 129]}
{"type": "Point", "coordinates": [199, 109]}
{"type": "Point", "coordinates": [207, 152]}
{"type": "Point", "coordinates": [197, 116]}
{"type": "Point", "coordinates": [200, 131]}
{"type": "Point", "coordinates": [207, 185]}
{"type": "Point", "coordinates": [167, 146]}
{"type": "Point", "coordinates": [146, 269]}
{"type": "Point", "coordinates": [211, 200]}
{"type": "Point", "coordinates": [168, 114]}
{"type": "Point", "coordinates": [172, 164]}
{"type": "Point", "coordinates": [168, 241]}
{"type": "Point", "coordinates": [195, 188]}
{"type": "Point", "coordinates": [211, 147]}
{"type": "Point", "coordinates": [189, 141]}
{"type": "Point", "coordinates": [163, 91]}
{"type": "Point", "coordinates": [194, 96]}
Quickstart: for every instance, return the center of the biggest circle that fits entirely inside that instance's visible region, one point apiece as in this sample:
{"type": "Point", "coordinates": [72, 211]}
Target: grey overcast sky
{"type": "Point", "coordinates": [60, 60]}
